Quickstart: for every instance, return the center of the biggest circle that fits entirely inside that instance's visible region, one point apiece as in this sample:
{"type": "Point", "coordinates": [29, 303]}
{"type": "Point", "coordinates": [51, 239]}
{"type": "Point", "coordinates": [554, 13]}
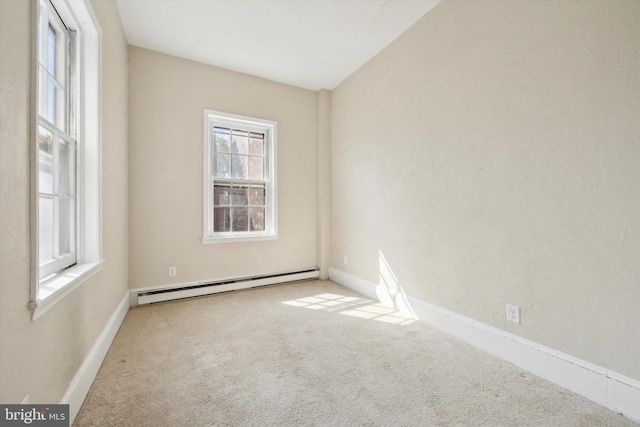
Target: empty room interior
{"type": "Point", "coordinates": [321, 212]}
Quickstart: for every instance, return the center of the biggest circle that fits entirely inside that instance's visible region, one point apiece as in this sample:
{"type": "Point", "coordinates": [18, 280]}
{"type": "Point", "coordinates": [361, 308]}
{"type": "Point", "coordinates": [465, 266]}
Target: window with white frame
{"type": "Point", "coordinates": [56, 144]}
{"type": "Point", "coordinates": [66, 153]}
{"type": "Point", "coordinates": [240, 184]}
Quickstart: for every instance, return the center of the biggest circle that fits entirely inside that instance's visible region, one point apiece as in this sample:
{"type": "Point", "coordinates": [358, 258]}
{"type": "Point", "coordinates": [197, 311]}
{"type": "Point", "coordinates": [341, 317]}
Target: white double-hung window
{"type": "Point", "coordinates": [56, 144]}
{"type": "Point", "coordinates": [66, 208]}
{"type": "Point", "coordinates": [240, 178]}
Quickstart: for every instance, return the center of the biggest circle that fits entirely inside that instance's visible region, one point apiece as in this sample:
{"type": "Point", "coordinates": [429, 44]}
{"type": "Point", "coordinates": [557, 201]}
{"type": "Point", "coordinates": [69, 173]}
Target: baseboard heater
{"type": "Point", "coordinates": [168, 293]}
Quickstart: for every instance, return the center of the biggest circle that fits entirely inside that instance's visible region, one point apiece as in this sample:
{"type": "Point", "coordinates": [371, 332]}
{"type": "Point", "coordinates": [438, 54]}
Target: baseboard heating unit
{"type": "Point", "coordinates": [188, 290]}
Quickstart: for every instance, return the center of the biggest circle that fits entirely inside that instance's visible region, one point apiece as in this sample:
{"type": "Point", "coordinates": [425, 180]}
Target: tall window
{"type": "Point", "coordinates": [65, 154]}
{"type": "Point", "coordinates": [240, 187]}
{"type": "Point", "coordinates": [56, 144]}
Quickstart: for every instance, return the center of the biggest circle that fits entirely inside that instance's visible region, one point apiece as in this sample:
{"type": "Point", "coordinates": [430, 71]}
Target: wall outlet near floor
{"type": "Point", "coordinates": [513, 313]}
{"type": "Point", "coordinates": [173, 271]}
{"type": "Point", "coordinates": [346, 260]}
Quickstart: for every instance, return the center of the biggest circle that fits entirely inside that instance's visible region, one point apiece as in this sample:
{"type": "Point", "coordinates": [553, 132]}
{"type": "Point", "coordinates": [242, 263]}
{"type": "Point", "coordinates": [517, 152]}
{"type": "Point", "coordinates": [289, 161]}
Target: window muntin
{"type": "Point", "coordinates": [56, 146]}
{"type": "Point", "coordinates": [239, 177]}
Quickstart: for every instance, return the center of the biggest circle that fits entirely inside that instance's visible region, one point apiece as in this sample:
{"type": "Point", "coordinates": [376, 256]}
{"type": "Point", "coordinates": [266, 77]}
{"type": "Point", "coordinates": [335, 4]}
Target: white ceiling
{"type": "Point", "coordinates": [312, 44]}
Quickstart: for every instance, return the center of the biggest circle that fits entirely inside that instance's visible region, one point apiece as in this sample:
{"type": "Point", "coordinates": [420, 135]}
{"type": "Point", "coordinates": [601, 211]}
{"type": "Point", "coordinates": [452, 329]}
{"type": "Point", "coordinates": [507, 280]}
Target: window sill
{"type": "Point", "coordinates": [238, 239]}
{"type": "Point", "coordinates": [57, 287]}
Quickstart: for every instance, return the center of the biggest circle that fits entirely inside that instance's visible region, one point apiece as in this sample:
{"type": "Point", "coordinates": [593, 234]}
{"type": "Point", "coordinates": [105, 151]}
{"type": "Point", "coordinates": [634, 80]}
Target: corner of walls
{"type": "Point", "coordinates": [324, 182]}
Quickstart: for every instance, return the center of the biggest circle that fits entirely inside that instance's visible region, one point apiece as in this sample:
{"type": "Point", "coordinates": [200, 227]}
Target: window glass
{"type": "Point", "coordinates": [240, 219]}
{"type": "Point", "coordinates": [45, 229]}
{"type": "Point", "coordinates": [64, 224]}
{"type": "Point", "coordinates": [222, 220]}
{"type": "Point", "coordinates": [257, 219]}
{"type": "Point", "coordinates": [240, 142]}
{"type": "Point", "coordinates": [45, 160]}
{"type": "Point", "coordinates": [239, 167]}
{"type": "Point", "coordinates": [256, 168]}
{"type": "Point", "coordinates": [52, 102]}
{"type": "Point", "coordinates": [52, 45]}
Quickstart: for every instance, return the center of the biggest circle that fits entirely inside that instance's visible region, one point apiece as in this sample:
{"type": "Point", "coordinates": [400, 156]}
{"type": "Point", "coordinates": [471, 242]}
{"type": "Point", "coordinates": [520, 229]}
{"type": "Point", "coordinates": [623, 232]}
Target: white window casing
{"type": "Point", "coordinates": [240, 179]}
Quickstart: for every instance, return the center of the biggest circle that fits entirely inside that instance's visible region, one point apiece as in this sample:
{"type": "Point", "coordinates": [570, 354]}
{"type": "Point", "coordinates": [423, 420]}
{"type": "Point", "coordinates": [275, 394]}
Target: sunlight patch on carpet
{"type": "Point", "coordinates": [351, 306]}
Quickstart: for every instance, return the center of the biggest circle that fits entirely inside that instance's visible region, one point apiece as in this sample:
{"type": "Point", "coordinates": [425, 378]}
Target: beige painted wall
{"type": "Point", "coordinates": [167, 98]}
{"type": "Point", "coordinates": [491, 155]}
{"type": "Point", "coordinates": [40, 358]}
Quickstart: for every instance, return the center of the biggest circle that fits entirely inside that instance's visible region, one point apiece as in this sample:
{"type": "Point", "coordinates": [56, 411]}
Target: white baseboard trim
{"type": "Point", "coordinates": [614, 391]}
{"type": "Point", "coordinates": [81, 383]}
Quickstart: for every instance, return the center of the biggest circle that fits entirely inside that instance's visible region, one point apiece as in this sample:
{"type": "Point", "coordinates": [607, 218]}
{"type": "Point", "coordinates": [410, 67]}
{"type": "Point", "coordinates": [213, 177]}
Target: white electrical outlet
{"type": "Point", "coordinates": [173, 271]}
{"type": "Point", "coordinates": [513, 313]}
{"type": "Point", "coordinates": [346, 260]}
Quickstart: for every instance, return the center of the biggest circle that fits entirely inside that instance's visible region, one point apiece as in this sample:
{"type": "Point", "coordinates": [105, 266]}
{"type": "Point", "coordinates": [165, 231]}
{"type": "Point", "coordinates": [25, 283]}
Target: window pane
{"type": "Point", "coordinates": [256, 167]}
{"type": "Point", "coordinates": [52, 44]}
{"type": "Point", "coordinates": [42, 82]}
{"type": "Point", "coordinates": [45, 228]}
{"type": "Point", "coordinates": [257, 219]}
{"type": "Point", "coordinates": [240, 219]}
{"type": "Point", "coordinates": [61, 72]}
{"type": "Point", "coordinates": [239, 143]}
{"type": "Point", "coordinates": [256, 147]}
{"type": "Point", "coordinates": [64, 167]}
{"type": "Point", "coordinates": [61, 109]}
{"type": "Point", "coordinates": [222, 165]}
{"type": "Point", "coordinates": [221, 196]}
{"type": "Point", "coordinates": [52, 101]}
{"type": "Point", "coordinates": [221, 140]}
{"type": "Point", "coordinates": [256, 196]}
{"type": "Point", "coordinates": [221, 220]}
{"type": "Point", "coordinates": [65, 224]}
{"type": "Point", "coordinates": [45, 160]}
{"type": "Point", "coordinates": [239, 196]}
{"type": "Point", "coordinates": [239, 167]}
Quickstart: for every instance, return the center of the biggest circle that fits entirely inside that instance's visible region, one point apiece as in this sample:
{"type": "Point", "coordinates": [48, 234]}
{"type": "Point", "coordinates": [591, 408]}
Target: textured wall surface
{"type": "Point", "coordinates": [40, 358]}
{"type": "Point", "coordinates": [491, 155]}
{"type": "Point", "coordinates": [167, 98]}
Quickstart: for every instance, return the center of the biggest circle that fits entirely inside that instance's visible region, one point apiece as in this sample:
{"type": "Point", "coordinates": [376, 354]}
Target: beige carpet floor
{"type": "Point", "coordinates": [312, 354]}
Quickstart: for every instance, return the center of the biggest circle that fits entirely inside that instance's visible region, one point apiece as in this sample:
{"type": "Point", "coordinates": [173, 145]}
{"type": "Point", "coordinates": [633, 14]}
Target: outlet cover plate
{"type": "Point", "coordinates": [513, 313]}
